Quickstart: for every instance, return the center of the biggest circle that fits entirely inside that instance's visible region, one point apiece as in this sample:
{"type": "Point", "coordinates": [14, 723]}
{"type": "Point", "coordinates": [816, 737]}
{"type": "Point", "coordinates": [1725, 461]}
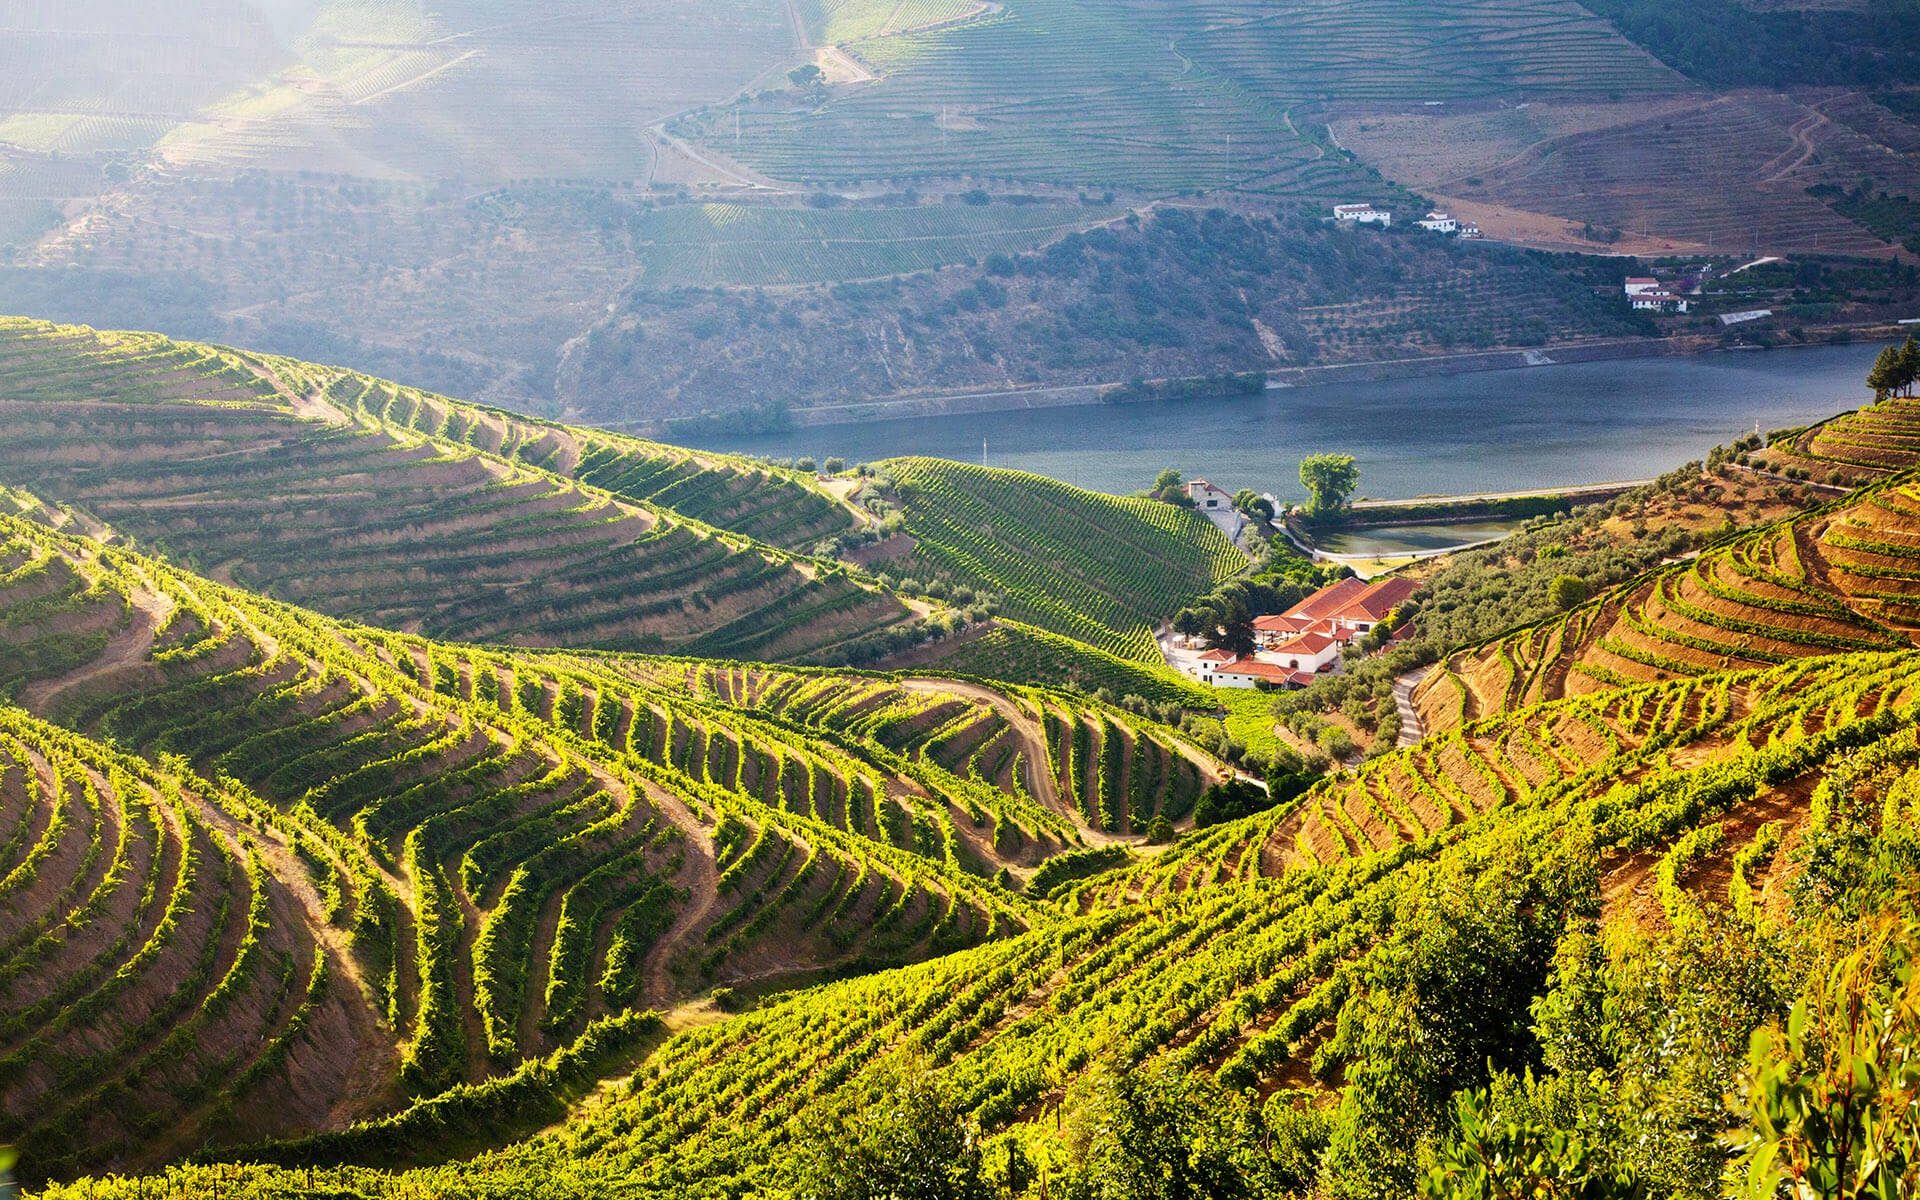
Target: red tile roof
{"type": "Point", "coordinates": [1306, 643]}
{"type": "Point", "coordinates": [1328, 600]}
{"type": "Point", "coordinates": [1255, 669]}
{"type": "Point", "coordinates": [1279, 623]}
{"type": "Point", "coordinates": [1378, 599]}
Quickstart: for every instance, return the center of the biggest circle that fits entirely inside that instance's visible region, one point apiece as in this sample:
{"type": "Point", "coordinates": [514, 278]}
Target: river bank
{"type": "Point", "coordinates": [939, 404]}
{"type": "Point", "coordinates": [1548, 427]}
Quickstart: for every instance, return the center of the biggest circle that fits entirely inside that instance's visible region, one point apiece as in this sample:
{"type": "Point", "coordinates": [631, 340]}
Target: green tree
{"type": "Point", "coordinates": [1329, 480]}
{"type": "Point", "coordinates": [1884, 376]}
{"type": "Point", "coordinates": [906, 1138]}
{"type": "Point", "coordinates": [1494, 1155]}
{"type": "Point", "coordinates": [1156, 1133]}
{"type": "Point", "coordinates": [1568, 592]}
{"type": "Point", "coordinates": [1191, 622]}
{"type": "Point", "coordinates": [807, 76]}
{"type": "Point", "coordinates": [1446, 1004]}
{"type": "Point", "coordinates": [1236, 632]}
{"type": "Point", "coordinates": [1833, 1095]}
{"type": "Point", "coordinates": [1253, 504]}
{"type": "Point", "coordinates": [1907, 372]}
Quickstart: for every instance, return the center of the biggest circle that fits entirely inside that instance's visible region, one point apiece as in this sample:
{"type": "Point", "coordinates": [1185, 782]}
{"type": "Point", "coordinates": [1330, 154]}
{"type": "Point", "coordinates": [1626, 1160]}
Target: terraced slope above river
{"type": "Point", "coordinates": [1839, 579]}
{"type": "Point", "coordinates": [387, 505]}
{"type": "Point", "coordinates": [510, 845]}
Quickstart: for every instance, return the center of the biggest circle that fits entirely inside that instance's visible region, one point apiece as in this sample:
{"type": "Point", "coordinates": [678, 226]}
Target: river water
{"type": "Point", "coordinates": [1488, 431]}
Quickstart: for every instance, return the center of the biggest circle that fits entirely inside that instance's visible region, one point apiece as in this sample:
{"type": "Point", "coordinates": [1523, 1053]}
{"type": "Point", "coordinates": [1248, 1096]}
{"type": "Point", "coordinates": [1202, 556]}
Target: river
{"type": "Point", "coordinates": [1489, 431]}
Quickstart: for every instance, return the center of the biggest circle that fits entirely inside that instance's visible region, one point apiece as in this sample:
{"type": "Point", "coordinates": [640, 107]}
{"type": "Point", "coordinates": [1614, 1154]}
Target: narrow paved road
{"type": "Point", "coordinates": [1412, 728]}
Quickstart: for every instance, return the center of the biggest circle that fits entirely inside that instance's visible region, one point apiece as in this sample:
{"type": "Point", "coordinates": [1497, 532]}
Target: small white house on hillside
{"type": "Point", "coordinates": [1439, 222]}
{"type": "Point", "coordinates": [1640, 285]}
{"type": "Point", "coordinates": [1208, 498]}
{"type": "Point", "coordinates": [1657, 301]}
{"type": "Point", "coordinates": [1362, 214]}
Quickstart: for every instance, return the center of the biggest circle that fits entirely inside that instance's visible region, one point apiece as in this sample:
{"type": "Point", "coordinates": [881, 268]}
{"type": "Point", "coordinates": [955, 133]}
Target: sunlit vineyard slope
{"type": "Point", "coordinates": [1102, 569]}
{"type": "Point", "coordinates": [388, 505]}
{"type": "Point", "coordinates": [1839, 579]}
{"type": "Point", "coordinates": [509, 845]}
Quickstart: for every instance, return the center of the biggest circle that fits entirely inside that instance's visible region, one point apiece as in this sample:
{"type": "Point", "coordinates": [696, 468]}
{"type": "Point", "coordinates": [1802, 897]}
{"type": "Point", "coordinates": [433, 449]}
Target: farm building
{"type": "Point", "coordinates": [1220, 669]}
{"type": "Point", "coordinates": [1341, 611]}
{"type": "Point", "coordinates": [1208, 498]}
{"type": "Point", "coordinates": [1439, 222]}
{"type": "Point", "coordinates": [1361, 214]}
{"type": "Point", "coordinates": [1640, 285]}
{"type": "Point", "coordinates": [1658, 301]}
{"type": "Point", "coordinates": [1305, 652]}
{"type": "Point", "coordinates": [1469, 230]}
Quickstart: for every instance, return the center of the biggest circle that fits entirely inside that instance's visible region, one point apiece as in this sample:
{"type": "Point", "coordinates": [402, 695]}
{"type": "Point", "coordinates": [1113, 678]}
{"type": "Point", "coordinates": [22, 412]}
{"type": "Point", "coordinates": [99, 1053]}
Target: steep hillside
{"type": "Point", "coordinates": [1172, 293]}
{"type": "Point", "coordinates": [509, 845]}
{"type": "Point", "coordinates": [1854, 447]}
{"type": "Point", "coordinates": [1102, 569]}
{"type": "Point", "coordinates": [170, 974]}
{"type": "Point", "coordinates": [1838, 579]}
{"type": "Point", "coordinates": [385, 504]}
{"type": "Point", "coordinates": [1233, 956]}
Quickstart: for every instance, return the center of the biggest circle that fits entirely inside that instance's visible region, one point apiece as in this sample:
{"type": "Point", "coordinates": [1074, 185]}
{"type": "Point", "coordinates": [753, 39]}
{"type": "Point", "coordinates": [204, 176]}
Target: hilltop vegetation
{"type": "Point", "coordinates": [390, 505]}
{"type": "Point", "coordinates": [386, 504]}
{"type": "Point", "coordinates": [1100, 569]}
{"type": "Point", "coordinates": [1175, 293]}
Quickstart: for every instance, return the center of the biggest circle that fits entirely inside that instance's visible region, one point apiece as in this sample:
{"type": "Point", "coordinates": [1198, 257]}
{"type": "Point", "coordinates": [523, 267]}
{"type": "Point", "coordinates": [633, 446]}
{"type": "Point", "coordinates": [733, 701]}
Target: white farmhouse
{"type": "Point", "coordinates": [1664, 302]}
{"type": "Point", "coordinates": [1640, 285]}
{"type": "Point", "coordinates": [1362, 214]}
{"type": "Point", "coordinates": [1439, 222]}
{"type": "Point", "coordinates": [1208, 498]}
{"type": "Point", "coordinates": [1469, 230]}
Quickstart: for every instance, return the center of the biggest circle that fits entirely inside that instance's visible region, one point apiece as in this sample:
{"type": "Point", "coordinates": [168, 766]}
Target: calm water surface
{"type": "Point", "coordinates": [1491, 431]}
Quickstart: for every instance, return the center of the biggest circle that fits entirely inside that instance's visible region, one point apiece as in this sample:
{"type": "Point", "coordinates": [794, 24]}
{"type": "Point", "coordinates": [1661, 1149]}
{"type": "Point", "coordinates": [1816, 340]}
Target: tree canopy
{"type": "Point", "coordinates": [1329, 480]}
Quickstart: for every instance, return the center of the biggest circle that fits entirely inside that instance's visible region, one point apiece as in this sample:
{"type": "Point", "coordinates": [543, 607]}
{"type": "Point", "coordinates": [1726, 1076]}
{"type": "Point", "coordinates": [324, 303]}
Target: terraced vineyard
{"type": "Point", "coordinates": [1837, 580]}
{"type": "Point", "coordinates": [515, 844]}
{"type": "Point", "coordinates": [1238, 952]}
{"type": "Point", "coordinates": [1101, 569]}
{"type": "Point", "coordinates": [1153, 96]}
{"type": "Point", "coordinates": [1013, 650]}
{"type": "Point", "coordinates": [389, 505]}
{"type": "Point", "coordinates": [1855, 447]}
{"type": "Point", "coordinates": [165, 959]}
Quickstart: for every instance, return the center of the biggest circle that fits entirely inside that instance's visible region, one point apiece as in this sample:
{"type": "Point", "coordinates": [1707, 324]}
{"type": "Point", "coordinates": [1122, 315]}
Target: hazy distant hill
{"type": "Point", "coordinates": [458, 194]}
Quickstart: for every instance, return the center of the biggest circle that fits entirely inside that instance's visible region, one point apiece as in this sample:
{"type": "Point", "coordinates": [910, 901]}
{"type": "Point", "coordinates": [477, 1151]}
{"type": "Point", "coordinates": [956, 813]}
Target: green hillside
{"type": "Point", "coordinates": [385, 504]}
{"type": "Point", "coordinates": [1260, 953]}
{"type": "Point", "coordinates": [1101, 569]}
{"type": "Point", "coordinates": [499, 848]}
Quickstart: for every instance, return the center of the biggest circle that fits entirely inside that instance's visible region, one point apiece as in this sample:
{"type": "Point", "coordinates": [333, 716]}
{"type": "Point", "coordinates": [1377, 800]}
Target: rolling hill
{"type": "Point", "coordinates": [1248, 951]}
{"type": "Point", "coordinates": [474, 857]}
{"type": "Point", "coordinates": [382, 503]}
{"type": "Point", "coordinates": [495, 878]}
{"type": "Point", "coordinates": [1838, 579]}
{"type": "Point", "coordinates": [1100, 569]}
{"type": "Point", "coordinates": [462, 193]}
{"type": "Point", "coordinates": [385, 504]}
